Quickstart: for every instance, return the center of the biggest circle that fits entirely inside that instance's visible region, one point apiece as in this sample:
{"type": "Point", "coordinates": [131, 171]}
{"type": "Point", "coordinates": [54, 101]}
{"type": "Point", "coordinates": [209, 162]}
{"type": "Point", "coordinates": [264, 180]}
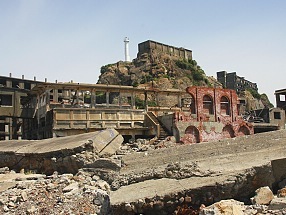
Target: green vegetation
{"type": "Point", "coordinates": [146, 79]}
{"type": "Point", "coordinates": [139, 103]}
{"type": "Point", "coordinates": [254, 93]}
{"type": "Point", "coordinates": [265, 101]}
{"type": "Point", "coordinates": [197, 74]}
{"type": "Point", "coordinates": [104, 69]}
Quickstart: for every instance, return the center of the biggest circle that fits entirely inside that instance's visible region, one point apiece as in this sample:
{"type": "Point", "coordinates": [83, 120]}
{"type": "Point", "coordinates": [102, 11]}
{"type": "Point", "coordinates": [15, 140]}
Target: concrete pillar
{"type": "Point", "coordinates": [133, 100]}
{"type": "Point", "coordinates": [7, 131]}
{"type": "Point", "coordinates": [107, 99]}
{"type": "Point", "coordinates": [93, 99]}
{"type": "Point", "coordinates": [120, 100]}
{"type": "Point", "coordinates": [179, 100]}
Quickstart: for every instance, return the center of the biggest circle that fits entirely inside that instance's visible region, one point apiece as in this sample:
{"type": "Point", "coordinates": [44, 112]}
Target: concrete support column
{"type": "Point", "coordinates": [93, 99]}
{"type": "Point", "coordinates": [179, 100]}
{"type": "Point", "coordinates": [133, 100]}
{"type": "Point", "coordinates": [7, 132]}
{"type": "Point", "coordinates": [107, 99]}
{"type": "Point", "coordinates": [120, 100]}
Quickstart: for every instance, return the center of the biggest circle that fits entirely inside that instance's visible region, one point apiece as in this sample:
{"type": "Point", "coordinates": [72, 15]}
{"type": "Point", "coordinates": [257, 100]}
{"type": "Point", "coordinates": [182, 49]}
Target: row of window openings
{"type": "Point", "coordinates": [208, 106]}
{"type": "Point", "coordinates": [16, 84]}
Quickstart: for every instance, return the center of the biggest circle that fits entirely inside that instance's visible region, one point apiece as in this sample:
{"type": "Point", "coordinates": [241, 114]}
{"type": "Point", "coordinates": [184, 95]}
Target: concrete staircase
{"type": "Point", "coordinates": [163, 133]}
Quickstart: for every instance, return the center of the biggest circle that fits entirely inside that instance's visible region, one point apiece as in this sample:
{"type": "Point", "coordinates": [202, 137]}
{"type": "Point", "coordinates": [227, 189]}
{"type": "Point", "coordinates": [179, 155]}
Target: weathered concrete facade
{"type": "Point", "coordinates": [235, 82]}
{"type": "Point", "coordinates": [213, 114]}
{"type": "Point", "coordinates": [149, 46]}
{"type": "Point", "coordinates": [62, 109]}
{"type": "Point", "coordinates": [13, 92]}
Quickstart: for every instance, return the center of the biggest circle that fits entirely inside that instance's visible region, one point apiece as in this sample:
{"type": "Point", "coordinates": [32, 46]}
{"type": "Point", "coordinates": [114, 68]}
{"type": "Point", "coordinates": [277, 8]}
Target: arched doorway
{"type": "Point", "coordinates": [192, 135]}
{"type": "Point", "coordinates": [228, 131]}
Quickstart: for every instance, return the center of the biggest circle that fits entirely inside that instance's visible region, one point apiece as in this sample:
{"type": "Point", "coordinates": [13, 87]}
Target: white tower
{"type": "Point", "coordinates": [126, 42]}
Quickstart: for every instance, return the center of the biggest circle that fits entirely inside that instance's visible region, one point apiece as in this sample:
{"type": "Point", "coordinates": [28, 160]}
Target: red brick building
{"type": "Point", "coordinates": [213, 115]}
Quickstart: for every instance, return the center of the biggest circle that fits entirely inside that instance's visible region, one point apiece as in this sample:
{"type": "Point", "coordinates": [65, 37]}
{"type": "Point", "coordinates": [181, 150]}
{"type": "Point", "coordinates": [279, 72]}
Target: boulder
{"type": "Point", "coordinates": [263, 196]}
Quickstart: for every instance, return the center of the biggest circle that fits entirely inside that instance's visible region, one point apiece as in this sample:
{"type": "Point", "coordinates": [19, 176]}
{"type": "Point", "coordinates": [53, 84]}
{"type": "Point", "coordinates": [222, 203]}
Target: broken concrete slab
{"type": "Point", "coordinates": [234, 168]}
{"type": "Point", "coordinates": [65, 154]}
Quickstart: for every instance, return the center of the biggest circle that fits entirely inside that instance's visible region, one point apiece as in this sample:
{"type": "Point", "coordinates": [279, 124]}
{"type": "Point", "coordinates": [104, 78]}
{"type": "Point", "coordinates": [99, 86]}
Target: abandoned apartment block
{"type": "Point", "coordinates": [235, 82]}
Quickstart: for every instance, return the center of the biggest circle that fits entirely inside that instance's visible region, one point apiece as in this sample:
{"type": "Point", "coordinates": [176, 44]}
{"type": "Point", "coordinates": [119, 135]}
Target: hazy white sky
{"type": "Point", "coordinates": [71, 39]}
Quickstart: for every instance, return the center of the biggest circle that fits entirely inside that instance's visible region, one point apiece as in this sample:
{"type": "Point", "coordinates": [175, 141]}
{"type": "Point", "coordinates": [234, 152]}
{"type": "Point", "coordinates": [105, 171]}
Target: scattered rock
{"type": "Point", "coordinates": [263, 196]}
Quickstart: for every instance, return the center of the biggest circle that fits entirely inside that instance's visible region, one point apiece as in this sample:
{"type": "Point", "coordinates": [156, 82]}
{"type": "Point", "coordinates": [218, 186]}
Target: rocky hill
{"type": "Point", "coordinates": [164, 71]}
{"type": "Point", "coordinates": [156, 70]}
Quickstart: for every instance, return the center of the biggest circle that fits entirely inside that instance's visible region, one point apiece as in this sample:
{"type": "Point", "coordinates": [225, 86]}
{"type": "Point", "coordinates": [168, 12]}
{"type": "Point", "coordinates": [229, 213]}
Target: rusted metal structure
{"type": "Point", "coordinates": [213, 114]}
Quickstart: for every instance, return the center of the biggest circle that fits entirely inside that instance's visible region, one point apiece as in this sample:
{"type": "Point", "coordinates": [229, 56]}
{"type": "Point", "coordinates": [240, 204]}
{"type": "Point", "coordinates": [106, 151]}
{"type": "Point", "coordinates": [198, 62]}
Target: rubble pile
{"type": "Point", "coordinates": [82, 193]}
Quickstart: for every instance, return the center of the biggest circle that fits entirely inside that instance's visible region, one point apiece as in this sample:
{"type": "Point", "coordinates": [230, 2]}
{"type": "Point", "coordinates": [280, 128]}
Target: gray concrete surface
{"type": "Point", "coordinates": [224, 160]}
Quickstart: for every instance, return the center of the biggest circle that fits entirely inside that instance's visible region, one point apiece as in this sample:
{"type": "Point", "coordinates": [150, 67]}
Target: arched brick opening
{"type": "Point", "coordinates": [208, 105]}
{"type": "Point", "coordinates": [243, 130]}
{"type": "Point", "coordinates": [192, 134]}
{"type": "Point", "coordinates": [193, 105]}
{"type": "Point", "coordinates": [228, 131]}
{"type": "Point", "coordinates": [224, 106]}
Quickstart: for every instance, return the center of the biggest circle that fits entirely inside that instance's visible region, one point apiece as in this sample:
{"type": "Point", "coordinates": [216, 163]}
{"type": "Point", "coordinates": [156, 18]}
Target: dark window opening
{"type": "Point", "coordinates": [27, 86]}
{"type": "Point", "coordinates": [208, 105]}
{"type": "Point", "coordinates": [224, 106]}
{"type": "Point", "coordinates": [15, 84]}
{"type": "Point", "coordinates": [6, 100]}
{"type": "Point", "coordinates": [2, 82]}
{"type": "Point", "coordinates": [277, 115]}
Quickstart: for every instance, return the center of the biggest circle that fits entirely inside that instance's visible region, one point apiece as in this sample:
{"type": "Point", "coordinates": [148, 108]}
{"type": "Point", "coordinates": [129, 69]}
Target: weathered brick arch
{"type": "Point", "coordinates": [243, 130]}
{"type": "Point", "coordinates": [192, 135]}
{"type": "Point", "coordinates": [224, 105]}
{"type": "Point", "coordinates": [193, 104]}
{"type": "Point", "coordinates": [208, 104]}
{"type": "Point", "coordinates": [228, 131]}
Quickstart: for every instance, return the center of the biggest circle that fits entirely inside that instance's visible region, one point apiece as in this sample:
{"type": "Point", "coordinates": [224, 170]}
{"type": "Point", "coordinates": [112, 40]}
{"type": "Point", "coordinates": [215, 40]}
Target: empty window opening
{"type": "Point", "coordinates": [208, 105]}
{"type": "Point", "coordinates": [224, 106]}
{"type": "Point", "coordinates": [27, 86]}
{"type": "Point", "coordinates": [5, 100]}
{"type": "Point", "coordinates": [15, 84]}
{"type": "Point", "coordinates": [277, 115]}
{"type": "Point", "coordinates": [2, 83]}
{"type": "Point", "coordinates": [100, 97]}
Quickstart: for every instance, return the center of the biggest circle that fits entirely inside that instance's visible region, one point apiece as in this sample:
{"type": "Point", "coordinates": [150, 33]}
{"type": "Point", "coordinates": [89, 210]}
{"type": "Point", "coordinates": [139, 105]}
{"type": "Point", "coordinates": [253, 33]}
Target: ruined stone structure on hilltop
{"type": "Point", "coordinates": [149, 46]}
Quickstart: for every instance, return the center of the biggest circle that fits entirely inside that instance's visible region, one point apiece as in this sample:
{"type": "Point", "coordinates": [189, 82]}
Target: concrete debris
{"type": "Point", "coordinates": [263, 196]}
{"type": "Point", "coordinates": [65, 154]}
{"type": "Point", "coordinates": [223, 207]}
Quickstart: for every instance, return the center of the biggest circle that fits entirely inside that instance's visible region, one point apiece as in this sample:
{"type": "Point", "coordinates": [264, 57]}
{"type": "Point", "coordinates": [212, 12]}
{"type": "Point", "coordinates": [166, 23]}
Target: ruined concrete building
{"type": "Point", "coordinates": [13, 92]}
{"type": "Point", "coordinates": [63, 109]}
{"type": "Point", "coordinates": [198, 115]}
{"type": "Point", "coordinates": [235, 82]}
{"type": "Point", "coordinates": [149, 46]}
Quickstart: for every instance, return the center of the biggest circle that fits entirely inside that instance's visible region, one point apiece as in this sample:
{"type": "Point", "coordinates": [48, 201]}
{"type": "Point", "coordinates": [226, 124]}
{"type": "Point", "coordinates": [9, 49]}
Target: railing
{"type": "Point", "coordinates": [80, 118]}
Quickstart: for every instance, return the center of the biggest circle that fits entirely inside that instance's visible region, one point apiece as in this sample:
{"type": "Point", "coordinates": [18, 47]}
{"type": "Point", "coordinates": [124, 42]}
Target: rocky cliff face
{"type": "Point", "coordinates": [163, 71]}
{"type": "Point", "coordinates": [156, 70]}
